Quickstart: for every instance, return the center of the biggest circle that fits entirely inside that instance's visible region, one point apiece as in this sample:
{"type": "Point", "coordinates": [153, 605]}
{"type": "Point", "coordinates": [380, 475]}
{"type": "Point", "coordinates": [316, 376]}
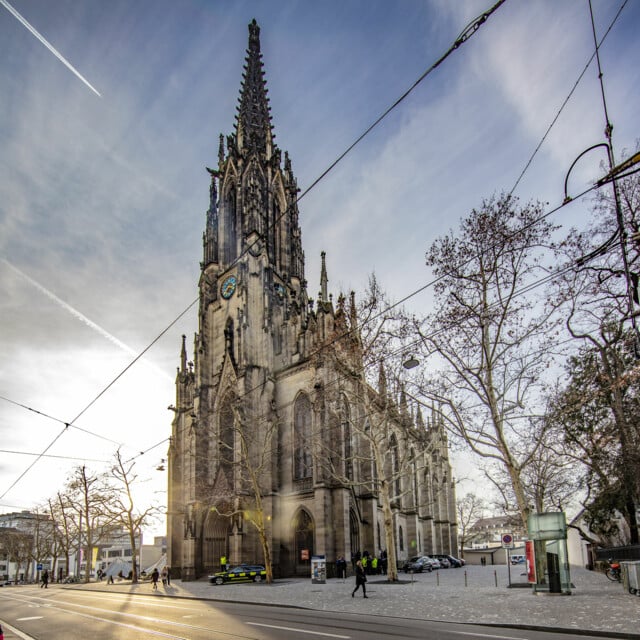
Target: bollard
{"type": "Point", "coordinates": [437, 578]}
{"type": "Point", "coordinates": [465, 578]}
{"type": "Point", "coordinates": [495, 577]}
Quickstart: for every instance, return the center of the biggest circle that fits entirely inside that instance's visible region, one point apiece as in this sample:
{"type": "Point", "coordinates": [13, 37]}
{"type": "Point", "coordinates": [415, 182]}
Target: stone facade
{"type": "Point", "coordinates": [273, 418]}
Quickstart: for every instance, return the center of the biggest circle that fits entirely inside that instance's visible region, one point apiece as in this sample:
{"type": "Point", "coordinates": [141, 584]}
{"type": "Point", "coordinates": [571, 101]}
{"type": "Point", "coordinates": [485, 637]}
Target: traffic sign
{"type": "Point", "coordinates": [507, 541]}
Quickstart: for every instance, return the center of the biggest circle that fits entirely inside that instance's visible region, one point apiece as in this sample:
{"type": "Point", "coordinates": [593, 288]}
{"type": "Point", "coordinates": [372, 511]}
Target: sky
{"type": "Point", "coordinates": [110, 112]}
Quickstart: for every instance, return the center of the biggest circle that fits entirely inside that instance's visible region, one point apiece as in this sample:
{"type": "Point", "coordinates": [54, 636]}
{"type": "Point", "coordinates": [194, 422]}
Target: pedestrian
{"type": "Point", "coordinates": [168, 576]}
{"type": "Point", "coordinates": [164, 576]}
{"type": "Point", "coordinates": [45, 579]}
{"type": "Point", "coordinates": [341, 567]}
{"type": "Point", "coordinates": [154, 578]}
{"type": "Point", "coordinates": [110, 580]}
{"type": "Point", "coordinates": [361, 580]}
{"type": "Point", "coordinates": [223, 563]}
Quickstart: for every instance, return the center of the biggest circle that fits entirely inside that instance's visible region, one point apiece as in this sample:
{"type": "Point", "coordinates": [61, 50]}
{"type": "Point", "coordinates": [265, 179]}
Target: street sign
{"type": "Point", "coordinates": [507, 541]}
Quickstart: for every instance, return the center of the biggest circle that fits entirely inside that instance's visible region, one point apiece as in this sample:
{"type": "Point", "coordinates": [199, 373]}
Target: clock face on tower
{"type": "Point", "coordinates": [228, 287]}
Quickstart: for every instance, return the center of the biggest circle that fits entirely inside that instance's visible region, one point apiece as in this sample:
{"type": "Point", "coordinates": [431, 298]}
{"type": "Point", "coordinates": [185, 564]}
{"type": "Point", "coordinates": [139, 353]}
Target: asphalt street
{"type": "Point", "coordinates": [472, 595]}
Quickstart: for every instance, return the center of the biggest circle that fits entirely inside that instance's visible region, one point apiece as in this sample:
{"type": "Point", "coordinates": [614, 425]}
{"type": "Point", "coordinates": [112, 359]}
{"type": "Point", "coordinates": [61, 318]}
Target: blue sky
{"type": "Point", "coordinates": [103, 199]}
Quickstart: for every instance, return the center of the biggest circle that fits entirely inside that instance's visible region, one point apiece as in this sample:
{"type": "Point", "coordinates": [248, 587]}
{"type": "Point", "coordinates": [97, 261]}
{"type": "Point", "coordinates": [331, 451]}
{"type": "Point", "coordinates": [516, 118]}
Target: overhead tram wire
{"type": "Point", "coordinates": [29, 453]}
{"type": "Point", "coordinates": [24, 473]}
{"type": "Point", "coordinates": [527, 288]}
{"type": "Point", "coordinates": [67, 424]}
{"type": "Point", "coordinates": [566, 100]}
{"type": "Point", "coordinates": [434, 281]}
{"type": "Point", "coordinates": [466, 33]}
{"type": "Point", "coordinates": [464, 36]}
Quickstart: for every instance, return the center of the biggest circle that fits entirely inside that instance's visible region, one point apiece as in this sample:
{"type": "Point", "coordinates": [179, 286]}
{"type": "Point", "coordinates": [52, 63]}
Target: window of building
{"type": "Point", "coordinates": [226, 445]}
{"type": "Point", "coordinates": [346, 435]}
{"type": "Point", "coordinates": [302, 458]}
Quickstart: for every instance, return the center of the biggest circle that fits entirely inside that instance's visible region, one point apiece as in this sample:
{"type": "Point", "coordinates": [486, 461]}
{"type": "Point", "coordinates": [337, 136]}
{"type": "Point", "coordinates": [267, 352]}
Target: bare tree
{"type": "Point", "coordinates": [120, 507]}
{"type": "Point", "coordinates": [384, 451]}
{"type": "Point", "coordinates": [86, 496]}
{"type": "Point", "coordinates": [66, 527]}
{"type": "Point", "coordinates": [470, 510]}
{"type": "Point", "coordinates": [490, 335]}
{"type": "Point", "coordinates": [18, 548]}
{"type": "Point", "coordinates": [601, 298]}
{"type": "Point", "coordinates": [246, 449]}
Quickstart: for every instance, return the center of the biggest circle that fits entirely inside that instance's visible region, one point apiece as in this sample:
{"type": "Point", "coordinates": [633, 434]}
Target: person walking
{"type": "Point", "coordinates": [168, 569]}
{"type": "Point", "coordinates": [361, 580]}
{"type": "Point", "coordinates": [154, 578]}
{"type": "Point", "coordinates": [45, 579]}
{"type": "Point", "coordinates": [164, 576]}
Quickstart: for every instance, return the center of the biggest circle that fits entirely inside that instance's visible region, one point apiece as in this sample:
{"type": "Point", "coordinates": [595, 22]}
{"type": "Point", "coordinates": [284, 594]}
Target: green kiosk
{"type": "Point", "coordinates": [547, 557]}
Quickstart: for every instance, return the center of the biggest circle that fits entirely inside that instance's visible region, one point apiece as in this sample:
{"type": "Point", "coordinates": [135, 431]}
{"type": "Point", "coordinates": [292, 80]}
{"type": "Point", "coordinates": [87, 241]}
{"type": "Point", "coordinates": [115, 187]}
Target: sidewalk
{"type": "Point", "coordinates": [596, 604]}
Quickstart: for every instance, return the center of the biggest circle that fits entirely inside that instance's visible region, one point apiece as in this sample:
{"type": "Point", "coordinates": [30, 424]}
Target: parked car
{"type": "Point", "coordinates": [450, 561]}
{"type": "Point", "coordinates": [242, 573]}
{"type": "Point", "coordinates": [434, 563]}
{"type": "Point", "coordinates": [517, 558]}
{"type": "Point", "coordinates": [418, 564]}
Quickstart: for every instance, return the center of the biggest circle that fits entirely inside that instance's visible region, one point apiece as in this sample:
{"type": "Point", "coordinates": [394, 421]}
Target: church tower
{"type": "Point", "coordinates": [263, 400]}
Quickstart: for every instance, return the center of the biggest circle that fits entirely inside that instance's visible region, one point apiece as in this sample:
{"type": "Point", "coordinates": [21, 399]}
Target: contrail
{"type": "Point", "coordinates": [74, 312]}
{"type": "Point", "coordinates": [69, 66]}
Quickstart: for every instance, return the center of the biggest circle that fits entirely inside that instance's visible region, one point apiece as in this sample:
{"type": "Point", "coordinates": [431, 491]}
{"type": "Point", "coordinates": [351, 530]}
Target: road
{"type": "Point", "coordinates": [29, 612]}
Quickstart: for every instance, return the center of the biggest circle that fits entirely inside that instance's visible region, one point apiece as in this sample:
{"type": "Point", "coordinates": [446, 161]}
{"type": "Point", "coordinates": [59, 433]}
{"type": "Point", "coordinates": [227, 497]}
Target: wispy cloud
{"type": "Point", "coordinates": [80, 316]}
{"type": "Point", "coordinates": [49, 46]}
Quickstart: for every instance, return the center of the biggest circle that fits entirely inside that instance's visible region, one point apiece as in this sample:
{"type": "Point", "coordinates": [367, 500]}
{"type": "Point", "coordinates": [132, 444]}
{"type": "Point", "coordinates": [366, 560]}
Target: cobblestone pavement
{"type": "Point", "coordinates": [479, 595]}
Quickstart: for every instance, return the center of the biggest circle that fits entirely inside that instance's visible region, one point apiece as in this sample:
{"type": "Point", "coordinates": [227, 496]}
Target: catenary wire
{"type": "Point", "coordinates": [29, 453]}
{"type": "Point", "coordinates": [461, 39]}
{"type": "Point", "coordinates": [59, 435]}
{"type": "Point", "coordinates": [473, 26]}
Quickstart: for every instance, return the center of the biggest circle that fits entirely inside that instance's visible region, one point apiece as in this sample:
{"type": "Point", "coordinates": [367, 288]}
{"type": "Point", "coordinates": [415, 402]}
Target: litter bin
{"type": "Point", "coordinates": [631, 577]}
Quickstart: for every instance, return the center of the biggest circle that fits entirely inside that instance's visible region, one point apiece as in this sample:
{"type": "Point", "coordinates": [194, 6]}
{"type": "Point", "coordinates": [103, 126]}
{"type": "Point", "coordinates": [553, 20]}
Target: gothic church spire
{"type": "Point", "coordinates": [253, 122]}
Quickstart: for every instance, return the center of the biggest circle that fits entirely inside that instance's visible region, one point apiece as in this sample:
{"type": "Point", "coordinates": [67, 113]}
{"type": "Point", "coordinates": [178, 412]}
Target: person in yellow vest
{"type": "Point", "coordinates": [365, 562]}
{"type": "Point", "coordinates": [374, 566]}
{"type": "Point", "coordinates": [223, 563]}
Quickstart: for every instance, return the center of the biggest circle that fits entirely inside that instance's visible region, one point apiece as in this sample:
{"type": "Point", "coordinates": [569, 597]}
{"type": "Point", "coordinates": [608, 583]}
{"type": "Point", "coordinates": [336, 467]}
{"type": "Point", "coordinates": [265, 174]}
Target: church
{"type": "Point", "coordinates": [278, 442]}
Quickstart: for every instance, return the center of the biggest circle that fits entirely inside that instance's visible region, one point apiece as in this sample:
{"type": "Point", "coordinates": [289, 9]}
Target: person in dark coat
{"type": "Point", "coordinates": [45, 579]}
{"type": "Point", "coordinates": [361, 580]}
{"type": "Point", "coordinates": [155, 574]}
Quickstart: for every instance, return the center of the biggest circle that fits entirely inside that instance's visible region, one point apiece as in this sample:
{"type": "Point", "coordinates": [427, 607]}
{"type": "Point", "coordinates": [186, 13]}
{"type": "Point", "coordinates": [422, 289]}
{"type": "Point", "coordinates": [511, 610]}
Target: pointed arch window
{"type": "Point", "coordinates": [414, 478]}
{"type": "Point", "coordinates": [395, 467]}
{"type": "Point", "coordinates": [226, 442]}
{"type": "Point", "coordinates": [346, 435]}
{"type": "Point", "coordinates": [302, 458]}
{"type": "Point", "coordinates": [303, 531]}
{"type": "Point", "coordinates": [354, 532]}
{"type": "Point", "coordinates": [229, 242]}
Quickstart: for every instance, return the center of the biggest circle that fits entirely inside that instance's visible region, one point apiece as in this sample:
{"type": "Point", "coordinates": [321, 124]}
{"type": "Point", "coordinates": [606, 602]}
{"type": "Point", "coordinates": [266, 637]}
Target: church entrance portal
{"type": "Point", "coordinates": [215, 541]}
{"type": "Point", "coordinates": [303, 534]}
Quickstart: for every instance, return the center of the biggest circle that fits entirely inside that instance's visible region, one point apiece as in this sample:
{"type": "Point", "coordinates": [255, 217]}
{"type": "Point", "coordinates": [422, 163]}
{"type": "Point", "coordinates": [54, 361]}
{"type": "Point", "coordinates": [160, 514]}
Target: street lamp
{"type": "Point", "coordinates": [411, 363]}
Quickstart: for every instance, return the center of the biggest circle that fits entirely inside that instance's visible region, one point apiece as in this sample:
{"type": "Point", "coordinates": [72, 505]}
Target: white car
{"type": "Point", "coordinates": [434, 563]}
